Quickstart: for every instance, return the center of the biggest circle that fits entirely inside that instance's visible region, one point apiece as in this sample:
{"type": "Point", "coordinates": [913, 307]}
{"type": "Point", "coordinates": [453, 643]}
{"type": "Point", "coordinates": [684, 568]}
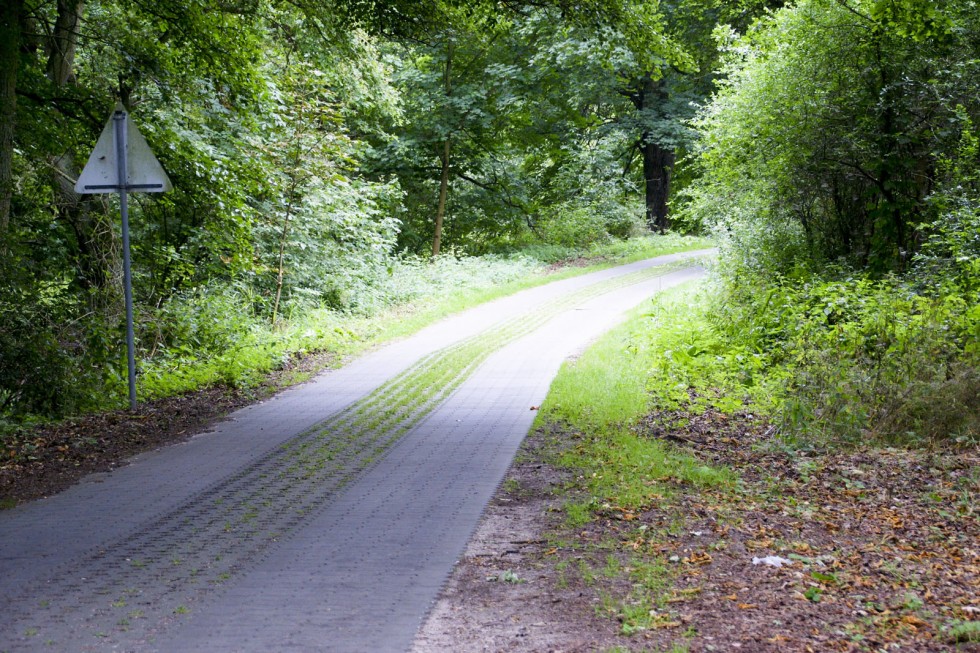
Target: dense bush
{"type": "Point", "coordinates": [832, 362]}
{"type": "Point", "coordinates": [838, 166]}
{"type": "Point", "coordinates": [576, 226]}
{"type": "Point", "coordinates": [863, 358]}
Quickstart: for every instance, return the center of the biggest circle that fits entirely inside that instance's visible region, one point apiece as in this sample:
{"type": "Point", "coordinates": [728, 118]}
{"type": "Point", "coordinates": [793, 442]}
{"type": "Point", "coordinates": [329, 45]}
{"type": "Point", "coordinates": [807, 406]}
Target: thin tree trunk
{"type": "Point", "coordinates": [282, 247]}
{"type": "Point", "coordinates": [444, 177]}
{"type": "Point", "coordinates": [10, 35]}
{"type": "Point", "coordinates": [443, 191]}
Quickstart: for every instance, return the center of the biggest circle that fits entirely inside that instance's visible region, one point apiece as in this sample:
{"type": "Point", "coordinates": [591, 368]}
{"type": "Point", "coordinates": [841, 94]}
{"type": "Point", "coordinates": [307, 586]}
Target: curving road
{"type": "Point", "coordinates": [325, 519]}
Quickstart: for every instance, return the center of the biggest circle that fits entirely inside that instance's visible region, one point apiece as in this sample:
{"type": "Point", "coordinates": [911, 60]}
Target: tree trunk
{"type": "Point", "coordinates": [10, 35]}
{"type": "Point", "coordinates": [443, 191]}
{"type": "Point", "coordinates": [444, 177]}
{"type": "Point", "coordinates": [658, 161]}
{"type": "Point", "coordinates": [64, 41]}
{"type": "Point", "coordinates": [657, 165]}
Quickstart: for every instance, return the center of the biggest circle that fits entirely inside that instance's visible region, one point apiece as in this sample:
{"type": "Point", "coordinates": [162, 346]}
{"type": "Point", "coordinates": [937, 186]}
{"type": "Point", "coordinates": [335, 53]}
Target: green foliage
{"type": "Point", "coordinates": [831, 361]}
{"type": "Point", "coordinates": [306, 142]}
{"type": "Point", "coordinates": [250, 115]}
{"type": "Point", "coordinates": [36, 377]}
{"type": "Point", "coordinates": [961, 632]}
{"type": "Point", "coordinates": [585, 226]}
{"type": "Point", "coordinates": [839, 170]}
{"type": "Point", "coordinates": [605, 388]}
{"type": "Point", "coordinates": [951, 251]}
{"type": "Point", "coordinates": [541, 129]}
{"type": "Point", "coordinates": [861, 358]}
{"type": "Point", "coordinates": [51, 362]}
{"type": "Point", "coordinates": [831, 119]}
{"type": "Point", "coordinates": [220, 334]}
{"type": "Point", "coordinates": [694, 365]}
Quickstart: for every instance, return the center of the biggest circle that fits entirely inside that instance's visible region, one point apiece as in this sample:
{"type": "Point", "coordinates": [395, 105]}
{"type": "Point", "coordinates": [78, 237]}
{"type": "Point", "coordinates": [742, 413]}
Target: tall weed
{"type": "Point", "coordinates": [861, 358]}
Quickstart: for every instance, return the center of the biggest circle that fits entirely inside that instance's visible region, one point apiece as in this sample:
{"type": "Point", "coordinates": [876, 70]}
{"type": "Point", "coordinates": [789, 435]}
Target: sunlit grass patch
{"type": "Point", "coordinates": [600, 396]}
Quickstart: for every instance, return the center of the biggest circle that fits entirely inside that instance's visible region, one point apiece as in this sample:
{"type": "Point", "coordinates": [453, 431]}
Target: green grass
{"type": "Point", "coordinates": [962, 632]}
{"type": "Point", "coordinates": [597, 400]}
{"type": "Point", "coordinates": [604, 388]}
{"type": "Point", "coordinates": [666, 349]}
{"type": "Point", "coordinates": [601, 395]}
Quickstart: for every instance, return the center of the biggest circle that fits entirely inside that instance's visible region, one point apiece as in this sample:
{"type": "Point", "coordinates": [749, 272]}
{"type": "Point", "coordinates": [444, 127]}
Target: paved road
{"type": "Point", "coordinates": [325, 519]}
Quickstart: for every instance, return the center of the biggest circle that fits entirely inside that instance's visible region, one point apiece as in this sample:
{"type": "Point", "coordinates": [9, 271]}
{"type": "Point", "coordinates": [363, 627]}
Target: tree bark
{"type": "Point", "coordinates": [444, 177]}
{"type": "Point", "coordinates": [10, 37]}
{"type": "Point", "coordinates": [64, 41]}
{"type": "Point", "coordinates": [657, 165]}
{"type": "Point", "coordinates": [658, 160]}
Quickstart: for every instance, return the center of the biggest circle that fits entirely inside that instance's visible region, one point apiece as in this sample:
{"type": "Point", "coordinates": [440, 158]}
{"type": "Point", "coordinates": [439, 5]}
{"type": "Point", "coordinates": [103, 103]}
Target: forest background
{"type": "Point", "coordinates": [335, 160]}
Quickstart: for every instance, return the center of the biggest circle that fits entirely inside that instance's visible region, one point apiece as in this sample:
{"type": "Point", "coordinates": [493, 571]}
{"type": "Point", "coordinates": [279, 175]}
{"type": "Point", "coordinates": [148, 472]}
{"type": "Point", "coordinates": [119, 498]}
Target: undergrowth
{"type": "Point", "coordinates": [831, 362]}
{"type": "Point", "coordinates": [857, 360]}
{"type": "Point", "coordinates": [221, 335]}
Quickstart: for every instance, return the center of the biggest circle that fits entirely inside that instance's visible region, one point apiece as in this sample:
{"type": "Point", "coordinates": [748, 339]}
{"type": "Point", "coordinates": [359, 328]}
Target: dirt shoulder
{"type": "Point", "coordinates": [43, 460]}
{"type": "Point", "coordinates": [878, 550]}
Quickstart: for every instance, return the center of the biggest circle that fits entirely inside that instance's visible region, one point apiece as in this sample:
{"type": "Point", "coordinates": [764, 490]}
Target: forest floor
{"type": "Point", "coordinates": [879, 551]}
{"type": "Point", "coordinates": [880, 548]}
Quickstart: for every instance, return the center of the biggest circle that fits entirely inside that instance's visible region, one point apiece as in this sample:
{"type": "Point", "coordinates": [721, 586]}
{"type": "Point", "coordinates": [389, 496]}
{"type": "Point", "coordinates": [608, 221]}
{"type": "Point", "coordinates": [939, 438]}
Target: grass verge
{"type": "Point", "coordinates": [599, 399]}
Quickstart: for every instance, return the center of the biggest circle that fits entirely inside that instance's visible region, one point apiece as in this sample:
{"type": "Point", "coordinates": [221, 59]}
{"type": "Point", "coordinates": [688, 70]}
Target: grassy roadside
{"type": "Point", "coordinates": [598, 399]}
{"type": "Point", "coordinates": [681, 501]}
{"type": "Point", "coordinates": [433, 293]}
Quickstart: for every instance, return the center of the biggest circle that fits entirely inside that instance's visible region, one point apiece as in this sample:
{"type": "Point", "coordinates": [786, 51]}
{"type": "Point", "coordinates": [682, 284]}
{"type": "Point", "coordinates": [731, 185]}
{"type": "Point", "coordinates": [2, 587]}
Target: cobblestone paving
{"type": "Point", "coordinates": [327, 519]}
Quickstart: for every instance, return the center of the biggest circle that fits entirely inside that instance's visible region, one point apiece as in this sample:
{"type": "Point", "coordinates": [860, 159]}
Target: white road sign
{"type": "Point", "coordinates": [101, 173]}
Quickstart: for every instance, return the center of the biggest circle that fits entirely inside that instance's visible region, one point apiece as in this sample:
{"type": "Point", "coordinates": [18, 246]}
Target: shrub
{"type": "Point", "coordinates": [862, 358]}
{"type": "Point", "coordinates": [577, 225]}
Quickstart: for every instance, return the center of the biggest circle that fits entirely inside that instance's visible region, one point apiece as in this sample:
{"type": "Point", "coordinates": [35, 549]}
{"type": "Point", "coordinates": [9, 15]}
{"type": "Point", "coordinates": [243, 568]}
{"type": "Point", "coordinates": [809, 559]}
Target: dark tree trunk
{"type": "Point", "coordinates": [10, 36]}
{"type": "Point", "coordinates": [657, 165]}
{"type": "Point", "coordinates": [658, 160]}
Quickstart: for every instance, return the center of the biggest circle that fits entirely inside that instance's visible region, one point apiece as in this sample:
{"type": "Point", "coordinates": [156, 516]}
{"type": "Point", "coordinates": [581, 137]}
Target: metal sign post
{"type": "Point", "coordinates": [122, 162]}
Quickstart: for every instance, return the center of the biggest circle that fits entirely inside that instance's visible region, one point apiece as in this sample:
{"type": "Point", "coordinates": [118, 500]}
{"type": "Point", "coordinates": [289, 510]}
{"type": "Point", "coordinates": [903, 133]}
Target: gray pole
{"type": "Point", "coordinates": [120, 124]}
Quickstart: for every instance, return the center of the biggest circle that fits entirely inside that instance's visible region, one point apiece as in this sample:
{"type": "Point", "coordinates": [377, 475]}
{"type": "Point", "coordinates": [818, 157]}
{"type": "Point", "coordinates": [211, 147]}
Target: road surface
{"type": "Point", "coordinates": [325, 519]}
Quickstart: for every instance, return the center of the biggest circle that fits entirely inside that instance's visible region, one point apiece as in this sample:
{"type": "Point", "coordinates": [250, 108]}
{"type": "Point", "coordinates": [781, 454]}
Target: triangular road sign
{"type": "Point", "coordinates": [101, 174]}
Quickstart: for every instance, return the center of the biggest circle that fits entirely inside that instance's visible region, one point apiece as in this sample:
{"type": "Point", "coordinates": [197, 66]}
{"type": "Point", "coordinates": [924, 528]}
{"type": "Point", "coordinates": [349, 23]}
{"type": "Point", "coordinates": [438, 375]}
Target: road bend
{"type": "Point", "coordinates": [325, 519]}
